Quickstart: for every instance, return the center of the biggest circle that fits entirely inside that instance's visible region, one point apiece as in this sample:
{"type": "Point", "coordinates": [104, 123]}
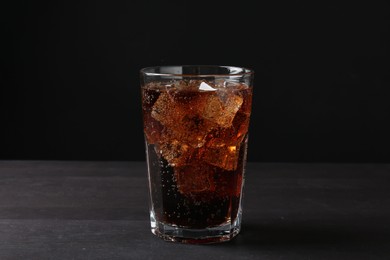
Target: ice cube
{"type": "Point", "coordinates": [176, 153]}
{"type": "Point", "coordinates": [225, 157]}
{"type": "Point", "coordinates": [221, 108]}
{"type": "Point", "coordinates": [206, 87]}
{"type": "Point", "coordinates": [180, 114]}
{"type": "Point", "coordinates": [202, 181]}
{"type": "Point", "coordinates": [196, 177]}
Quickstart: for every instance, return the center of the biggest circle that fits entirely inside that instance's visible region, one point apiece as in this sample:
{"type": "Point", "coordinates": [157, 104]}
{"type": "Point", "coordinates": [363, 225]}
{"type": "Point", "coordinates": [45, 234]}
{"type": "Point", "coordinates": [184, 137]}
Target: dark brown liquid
{"type": "Point", "coordinates": [196, 150]}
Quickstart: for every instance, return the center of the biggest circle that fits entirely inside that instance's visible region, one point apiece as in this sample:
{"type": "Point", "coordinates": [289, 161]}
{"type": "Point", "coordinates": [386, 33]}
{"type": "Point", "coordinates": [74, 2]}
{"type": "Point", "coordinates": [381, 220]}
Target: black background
{"type": "Point", "coordinates": [70, 83]}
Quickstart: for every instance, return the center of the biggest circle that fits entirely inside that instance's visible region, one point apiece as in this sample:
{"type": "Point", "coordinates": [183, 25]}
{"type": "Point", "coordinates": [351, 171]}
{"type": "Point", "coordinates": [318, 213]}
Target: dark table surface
{"type": "Point", "coordinates": [99, 210]}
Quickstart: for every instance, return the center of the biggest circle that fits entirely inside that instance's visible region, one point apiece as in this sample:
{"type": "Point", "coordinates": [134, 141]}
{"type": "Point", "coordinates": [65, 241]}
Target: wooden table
{"type": "Point", "coordinates": [99, 210]}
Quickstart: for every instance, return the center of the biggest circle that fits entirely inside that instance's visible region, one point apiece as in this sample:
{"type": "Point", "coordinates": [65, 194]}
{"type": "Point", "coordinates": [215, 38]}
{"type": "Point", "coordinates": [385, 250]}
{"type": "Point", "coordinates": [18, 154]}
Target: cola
{"type": "Point", "coordinates": [196, 134]}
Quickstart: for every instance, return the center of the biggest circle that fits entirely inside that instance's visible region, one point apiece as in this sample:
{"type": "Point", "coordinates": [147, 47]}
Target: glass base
{"type": "Point", "coordinates": [218, 234]}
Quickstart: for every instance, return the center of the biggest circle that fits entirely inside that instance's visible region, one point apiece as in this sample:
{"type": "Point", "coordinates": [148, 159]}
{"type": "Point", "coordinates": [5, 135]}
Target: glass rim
{"type": "Point", "coordinates": [233, 71]}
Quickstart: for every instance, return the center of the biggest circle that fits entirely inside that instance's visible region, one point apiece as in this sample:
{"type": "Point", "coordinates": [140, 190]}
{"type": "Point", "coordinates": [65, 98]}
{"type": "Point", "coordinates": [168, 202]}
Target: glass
{"type": "Point", "coordinates": [196, 121]}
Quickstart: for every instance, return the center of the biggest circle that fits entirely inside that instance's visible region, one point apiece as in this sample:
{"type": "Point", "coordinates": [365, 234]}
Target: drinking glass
{"type": "Point", "coordinates": [196, 121]}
